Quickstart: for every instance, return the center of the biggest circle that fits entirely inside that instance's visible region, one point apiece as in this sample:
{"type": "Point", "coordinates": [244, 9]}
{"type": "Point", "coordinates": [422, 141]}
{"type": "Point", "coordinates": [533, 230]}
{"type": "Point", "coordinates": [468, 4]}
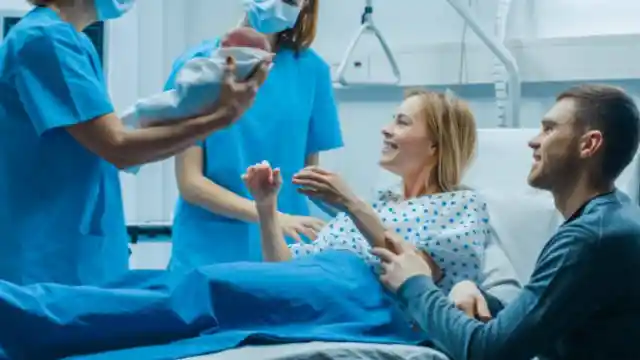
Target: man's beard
{"type": "Point", "coordinates": [557, 173]}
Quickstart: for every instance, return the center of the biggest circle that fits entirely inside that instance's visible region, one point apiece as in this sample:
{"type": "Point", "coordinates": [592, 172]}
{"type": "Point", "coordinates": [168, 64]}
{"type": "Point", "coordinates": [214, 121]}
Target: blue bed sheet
{"type": "Point", "coordinates": [333, 296]}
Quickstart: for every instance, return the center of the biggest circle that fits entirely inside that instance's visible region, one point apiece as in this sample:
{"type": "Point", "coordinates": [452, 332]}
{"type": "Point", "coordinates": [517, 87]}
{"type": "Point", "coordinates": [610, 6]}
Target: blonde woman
{"type": "Point", "coordinates": [429, 144]}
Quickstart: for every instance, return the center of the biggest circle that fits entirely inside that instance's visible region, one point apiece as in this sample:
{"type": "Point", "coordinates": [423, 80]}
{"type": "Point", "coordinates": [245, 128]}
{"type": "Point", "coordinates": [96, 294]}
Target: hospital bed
{"type": "Point", "coordinates": [523, 219]}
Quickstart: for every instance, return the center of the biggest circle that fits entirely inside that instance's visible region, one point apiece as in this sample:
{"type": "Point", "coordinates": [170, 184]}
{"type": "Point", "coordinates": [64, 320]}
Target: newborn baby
{"type": "Point", "coordinates": [197, 84]}
{"type": "Point", "coordinates": [245, 37]}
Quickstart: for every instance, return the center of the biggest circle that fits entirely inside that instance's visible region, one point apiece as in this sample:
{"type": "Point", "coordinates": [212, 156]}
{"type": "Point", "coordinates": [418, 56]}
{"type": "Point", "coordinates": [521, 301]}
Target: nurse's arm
{"type": "Point", "coordinates": [197, 189]}
{"type": "Point", "coordinates": [107, 137]}
{"type": "Point", "coordinates": [312, 160]}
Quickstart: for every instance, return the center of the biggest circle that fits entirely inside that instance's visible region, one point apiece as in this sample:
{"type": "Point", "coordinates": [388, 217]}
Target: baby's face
{"type": "Point", "coordinates": [246, 37]}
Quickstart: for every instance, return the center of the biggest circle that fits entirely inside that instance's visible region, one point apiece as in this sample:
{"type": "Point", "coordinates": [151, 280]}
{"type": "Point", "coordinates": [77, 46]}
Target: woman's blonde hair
{"type": "Point", "coordinates": [452, 127]}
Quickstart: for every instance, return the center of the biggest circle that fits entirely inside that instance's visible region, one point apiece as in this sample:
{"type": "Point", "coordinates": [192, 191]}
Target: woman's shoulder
{"type": "Point", "coordinates": [466, 197]}
{"type": "Point", "coordinates": [460, 196]}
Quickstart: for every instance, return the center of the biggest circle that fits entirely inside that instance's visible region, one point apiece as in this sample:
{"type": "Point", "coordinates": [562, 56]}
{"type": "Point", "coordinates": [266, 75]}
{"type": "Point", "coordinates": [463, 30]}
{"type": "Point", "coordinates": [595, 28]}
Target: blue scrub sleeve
{"type": "Point", "coordinates": [324, 127]}
{"type": "Point", "coordinates": [57, 82]}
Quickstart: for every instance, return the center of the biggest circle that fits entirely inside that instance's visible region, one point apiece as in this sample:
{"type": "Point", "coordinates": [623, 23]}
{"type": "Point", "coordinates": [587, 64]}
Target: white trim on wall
{"type": "Point", "coordinates": [584, 58]}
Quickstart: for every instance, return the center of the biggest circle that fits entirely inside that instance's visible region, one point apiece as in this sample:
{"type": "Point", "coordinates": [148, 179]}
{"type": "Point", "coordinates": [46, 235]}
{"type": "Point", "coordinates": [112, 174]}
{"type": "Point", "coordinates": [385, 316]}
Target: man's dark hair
{"type": "Point", "coordinates": [614, 113]}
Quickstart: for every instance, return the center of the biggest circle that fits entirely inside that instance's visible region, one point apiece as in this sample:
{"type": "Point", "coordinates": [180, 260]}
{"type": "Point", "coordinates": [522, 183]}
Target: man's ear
{"type": "Point", "coordinates": [590, 143]}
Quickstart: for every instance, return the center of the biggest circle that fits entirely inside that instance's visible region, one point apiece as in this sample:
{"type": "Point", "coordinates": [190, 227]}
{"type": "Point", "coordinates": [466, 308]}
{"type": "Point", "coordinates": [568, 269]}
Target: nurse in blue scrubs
{"type": "Point", "coordinates": [292, 120]}
{"type": "Point", "coordinates": [61, 145]}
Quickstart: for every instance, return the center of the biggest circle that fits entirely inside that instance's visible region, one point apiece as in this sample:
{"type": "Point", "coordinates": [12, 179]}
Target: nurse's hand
{"type": "Point", "coordinates": [263, 183]}
{"type": "Point", "coordinates": [237, 96]}
{"type": "Point", "coordinates": [325, 186]}
{"type": "Point", "coordinates": [295, 226]}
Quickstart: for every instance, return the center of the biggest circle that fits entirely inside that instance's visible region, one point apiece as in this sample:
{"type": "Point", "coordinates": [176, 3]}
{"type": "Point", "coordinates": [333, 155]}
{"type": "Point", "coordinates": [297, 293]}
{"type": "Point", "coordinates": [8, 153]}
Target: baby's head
{"type": "Point", "coordinates": [245, 37]}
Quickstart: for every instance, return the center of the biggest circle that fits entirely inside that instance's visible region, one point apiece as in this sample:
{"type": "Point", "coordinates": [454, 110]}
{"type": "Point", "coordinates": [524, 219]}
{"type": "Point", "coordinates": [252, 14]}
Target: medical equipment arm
{"type": "Point", "coordinates": [571, 282]}
{"type": "Point", "coordinates": [107, 137]}
{"type": "Point", "coordinates": [197, 189]}
{"type": "Point", "coordinates": [367, 222]}
{"type": "Point", "coordinates": [274, 246]}
{"type": "Point", "coordinates": [367, 26]}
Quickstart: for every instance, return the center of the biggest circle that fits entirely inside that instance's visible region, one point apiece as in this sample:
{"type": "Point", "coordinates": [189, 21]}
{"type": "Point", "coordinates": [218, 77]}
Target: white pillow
{"type": "Point", "coordinates": [523, 223]}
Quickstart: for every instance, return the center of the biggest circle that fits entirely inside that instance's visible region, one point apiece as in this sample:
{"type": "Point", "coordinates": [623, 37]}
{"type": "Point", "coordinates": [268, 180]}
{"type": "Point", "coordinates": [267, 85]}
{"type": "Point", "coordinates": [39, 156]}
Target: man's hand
{"type": "Point", "coordinates": [467, 297]}
{"type": "Point", "coordinates": [399, 263]}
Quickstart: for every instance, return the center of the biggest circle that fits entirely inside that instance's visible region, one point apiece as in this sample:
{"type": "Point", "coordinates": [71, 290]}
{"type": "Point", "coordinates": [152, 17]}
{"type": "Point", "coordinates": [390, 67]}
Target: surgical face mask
{"type": "Point", "coordinates": [271, 16]}
{"type": "Point", "coordinates": [112, 9]}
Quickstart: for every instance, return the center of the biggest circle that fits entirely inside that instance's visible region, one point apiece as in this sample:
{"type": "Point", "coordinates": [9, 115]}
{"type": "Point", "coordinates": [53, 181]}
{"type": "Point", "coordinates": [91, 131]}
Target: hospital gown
{"type": "Point", "coordinates": [452, 227]}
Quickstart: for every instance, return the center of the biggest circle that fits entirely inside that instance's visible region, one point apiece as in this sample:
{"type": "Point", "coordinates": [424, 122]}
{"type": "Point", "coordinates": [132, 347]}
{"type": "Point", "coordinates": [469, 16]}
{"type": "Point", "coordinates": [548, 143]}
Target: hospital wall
{"type": "Point", "coordinates": [418, 24]}
{"type": "Point", "coordinates": [142, 46]}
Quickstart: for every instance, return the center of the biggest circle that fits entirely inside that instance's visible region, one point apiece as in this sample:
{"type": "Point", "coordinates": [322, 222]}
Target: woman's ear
{"type": "Point", "coordinates": [433, 149]}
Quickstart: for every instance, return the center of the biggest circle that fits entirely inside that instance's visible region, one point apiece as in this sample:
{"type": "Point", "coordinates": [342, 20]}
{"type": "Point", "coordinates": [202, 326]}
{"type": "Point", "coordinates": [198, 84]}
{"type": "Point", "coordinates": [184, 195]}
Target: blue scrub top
{"type": "Point", "coordinates": [61, 211]}
{"type": "Point", "coordinates": [294, 115]}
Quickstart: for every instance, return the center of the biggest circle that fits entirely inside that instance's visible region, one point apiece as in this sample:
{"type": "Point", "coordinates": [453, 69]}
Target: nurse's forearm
{"type": "Point", "coordinates": [274, 247]}
{"type": "Point", "coordinates": [215, 198]}
{"type": "Point", "coordinates": [367, 222]}
{"type": "Point", "coordinates": [156, 143]}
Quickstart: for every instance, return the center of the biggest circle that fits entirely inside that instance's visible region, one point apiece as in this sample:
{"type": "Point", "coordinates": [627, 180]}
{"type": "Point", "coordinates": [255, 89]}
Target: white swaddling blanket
{"type": "Point", "coordinates": [197, 87]}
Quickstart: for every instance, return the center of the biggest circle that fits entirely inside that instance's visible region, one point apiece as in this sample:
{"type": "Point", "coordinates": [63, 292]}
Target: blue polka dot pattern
{"type": "Point", "coordinates": [451, 227]}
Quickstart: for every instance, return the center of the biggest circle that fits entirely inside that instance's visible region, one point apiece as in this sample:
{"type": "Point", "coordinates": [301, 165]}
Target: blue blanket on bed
{"type": "Point", "coordinates": [158, 315]}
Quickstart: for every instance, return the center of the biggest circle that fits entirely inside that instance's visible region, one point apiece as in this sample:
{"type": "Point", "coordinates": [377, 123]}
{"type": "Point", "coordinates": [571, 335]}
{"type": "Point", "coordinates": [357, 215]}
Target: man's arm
{"type": "Point", "coordinates": [563, 291]}
{"type": "Point", "coordinates": [494, 304]}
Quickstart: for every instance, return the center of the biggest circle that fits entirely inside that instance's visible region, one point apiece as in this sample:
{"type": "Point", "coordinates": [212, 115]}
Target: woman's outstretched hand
{"type": "Point", "coordinates": [325, 186]}
{"type": "Point", "coordinates": [263, 183]}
